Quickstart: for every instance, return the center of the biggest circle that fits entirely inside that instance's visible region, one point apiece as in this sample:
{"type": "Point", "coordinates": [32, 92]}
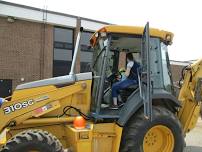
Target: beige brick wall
{"type": "Point", "coordinates": [122, 60]}
{"type": "Point", "coordinates": [176, 72]}
{"type": "Point", "coordinates": [21, 46]}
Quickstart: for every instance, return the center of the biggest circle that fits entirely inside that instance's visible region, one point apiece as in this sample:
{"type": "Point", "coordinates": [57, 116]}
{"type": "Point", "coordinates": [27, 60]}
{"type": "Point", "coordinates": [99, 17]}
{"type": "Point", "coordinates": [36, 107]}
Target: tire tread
{"type": "Point", "coordinates": [32, 136]}
{"type": "Point", "coordinates": [133, 129]}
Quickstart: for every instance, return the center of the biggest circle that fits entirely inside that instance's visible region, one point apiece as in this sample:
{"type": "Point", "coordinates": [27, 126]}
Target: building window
{"type": "Point", "coordinates": [86, 53]}
{"type": "Point", "coordinates": [63, 51]}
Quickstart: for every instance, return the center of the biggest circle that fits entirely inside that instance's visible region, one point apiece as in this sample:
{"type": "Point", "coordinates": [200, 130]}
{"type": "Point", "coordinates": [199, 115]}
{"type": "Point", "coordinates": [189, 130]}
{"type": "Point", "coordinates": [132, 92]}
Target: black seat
{"type": "Point", "coordinates": [126, 92]}
{"type": "Point", "coordinates": [130, 88]}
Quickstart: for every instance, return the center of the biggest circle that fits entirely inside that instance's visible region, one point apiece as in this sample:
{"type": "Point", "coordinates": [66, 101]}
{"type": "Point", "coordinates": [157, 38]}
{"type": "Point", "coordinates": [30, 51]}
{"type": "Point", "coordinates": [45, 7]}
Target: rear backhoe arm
{"type": "Point", "coordinates": [190, 96]}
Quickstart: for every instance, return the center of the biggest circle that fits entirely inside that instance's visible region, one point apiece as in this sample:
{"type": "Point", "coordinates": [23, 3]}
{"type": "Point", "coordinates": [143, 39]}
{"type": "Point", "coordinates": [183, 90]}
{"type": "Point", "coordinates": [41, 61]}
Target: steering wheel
{"type": "Point", "coordinates": [120, 75]}
{"type": "Point", "coordinates": [114, 77]}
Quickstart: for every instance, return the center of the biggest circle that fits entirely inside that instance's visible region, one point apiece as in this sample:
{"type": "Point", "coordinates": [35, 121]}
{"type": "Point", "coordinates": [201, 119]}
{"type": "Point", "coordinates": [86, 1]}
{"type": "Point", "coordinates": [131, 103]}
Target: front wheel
{"type": "Point", "coordinates": [162, 134]}
{"type": "Point", "coordinates": [33, 141]}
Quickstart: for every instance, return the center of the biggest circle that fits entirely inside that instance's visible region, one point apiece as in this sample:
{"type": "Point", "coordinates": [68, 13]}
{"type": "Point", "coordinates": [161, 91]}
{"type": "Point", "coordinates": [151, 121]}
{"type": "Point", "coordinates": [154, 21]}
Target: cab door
{"type": "Point", "coordinates": [145, 84]}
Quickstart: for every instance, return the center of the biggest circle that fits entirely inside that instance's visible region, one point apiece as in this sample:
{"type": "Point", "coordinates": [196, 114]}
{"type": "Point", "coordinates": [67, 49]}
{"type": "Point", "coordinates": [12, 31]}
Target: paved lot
{"type": "Point", "coordinates": [194, 139]}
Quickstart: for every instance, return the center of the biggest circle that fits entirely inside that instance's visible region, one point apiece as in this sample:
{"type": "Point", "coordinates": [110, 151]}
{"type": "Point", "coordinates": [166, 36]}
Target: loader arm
{"type": "Point", "coordinates": [190, 96]}
{"type": "Point", "coordinates": [42, 100]}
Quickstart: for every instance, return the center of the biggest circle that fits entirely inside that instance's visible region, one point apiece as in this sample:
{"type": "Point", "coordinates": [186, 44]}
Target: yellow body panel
{"type": "Point", "coordinates": [135, 30]}
{"type": "Point", "coordinates": [79, 139]}
{"type": "Point", "coordinates": [117, 138]}
{"type": "Point", "coordinates": [73, 95]}
{"type": "Point", "coordinates": [189, 113]}
{"type": "Point", "coordinates": [3, 136]}
{"type": "Point", "coordinates": [106, 137]}
{"type": "Point", "coordinates": [103, 137]}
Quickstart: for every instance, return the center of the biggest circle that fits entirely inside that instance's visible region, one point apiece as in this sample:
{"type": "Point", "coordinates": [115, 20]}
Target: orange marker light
{"type": "Point", "coordinates": [79, 122]}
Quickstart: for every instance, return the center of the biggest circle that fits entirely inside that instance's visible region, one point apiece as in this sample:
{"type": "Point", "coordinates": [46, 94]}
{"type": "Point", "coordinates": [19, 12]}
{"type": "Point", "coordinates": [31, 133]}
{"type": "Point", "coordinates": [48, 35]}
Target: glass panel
{"type": "Point", "coordinates": [166, 75]}
{"type": "Point", "coordinates": [62, 54]}
{"type": "Point", "coordinates": [85, 38]}
{"type": "Point", "coordinates": [85, 61]}
{"type": "Point", "coordinates": [63, 35]}
{"type": "Point", "coordinates": [86, 56]}
{"type": "Point", "coordinates": [111, 63]}
{"type": "Point", "coordinates": [86, 53]}
{"type": "Point", "coordinates": [61, 68]}
{"type": "Point", "coordinates": [97, 70]}
{"type": "Point", "coordinates": [63, 51]}
{"type": "Point", "coordinates": [63, 45]}
{"type": "Point", "coordinates": [155, 61]}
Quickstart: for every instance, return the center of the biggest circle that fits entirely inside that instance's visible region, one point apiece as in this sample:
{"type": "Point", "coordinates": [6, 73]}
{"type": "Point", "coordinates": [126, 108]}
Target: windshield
{"type": "Point", "coordinates": [166, 68]}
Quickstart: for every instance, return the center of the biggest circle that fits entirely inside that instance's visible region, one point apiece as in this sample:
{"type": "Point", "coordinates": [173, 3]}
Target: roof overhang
{"type": "Point", "coordinates": [32, 14]}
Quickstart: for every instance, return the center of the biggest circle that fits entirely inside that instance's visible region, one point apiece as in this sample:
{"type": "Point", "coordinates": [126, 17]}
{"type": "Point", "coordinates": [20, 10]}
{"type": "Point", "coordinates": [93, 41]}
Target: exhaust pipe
{"type": "Point", "coordinates": [72, 71]}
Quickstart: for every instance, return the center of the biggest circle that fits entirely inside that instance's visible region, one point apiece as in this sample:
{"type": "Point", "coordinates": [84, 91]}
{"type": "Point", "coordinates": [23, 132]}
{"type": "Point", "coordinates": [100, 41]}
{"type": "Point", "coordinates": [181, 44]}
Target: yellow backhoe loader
{"type": "Point", "coordinates": [42, 116]}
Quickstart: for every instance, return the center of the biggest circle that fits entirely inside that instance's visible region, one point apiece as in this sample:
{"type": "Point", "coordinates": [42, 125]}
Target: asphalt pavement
{"type": "Point", "coordinates": [194, 139]}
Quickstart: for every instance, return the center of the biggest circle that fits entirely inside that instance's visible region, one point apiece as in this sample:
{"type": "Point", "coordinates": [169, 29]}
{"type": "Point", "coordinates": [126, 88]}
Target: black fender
{"type": "Point", "coordinates": [135, 102]}
{"type": "Point", "coordinates": [166, 98]}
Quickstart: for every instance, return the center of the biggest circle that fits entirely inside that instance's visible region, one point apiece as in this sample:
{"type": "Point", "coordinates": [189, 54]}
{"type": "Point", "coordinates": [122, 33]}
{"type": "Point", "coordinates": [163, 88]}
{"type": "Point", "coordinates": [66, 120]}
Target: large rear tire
{"type": "Point", "coordinates": [162, 134]}
{"type": "Point", "coordinates": [33, 141]}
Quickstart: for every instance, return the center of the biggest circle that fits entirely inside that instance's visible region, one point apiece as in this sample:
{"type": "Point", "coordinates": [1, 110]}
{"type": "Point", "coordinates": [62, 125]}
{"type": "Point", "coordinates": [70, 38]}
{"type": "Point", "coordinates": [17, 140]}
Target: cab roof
{"type": "Point", "coordinates": [165, 36]}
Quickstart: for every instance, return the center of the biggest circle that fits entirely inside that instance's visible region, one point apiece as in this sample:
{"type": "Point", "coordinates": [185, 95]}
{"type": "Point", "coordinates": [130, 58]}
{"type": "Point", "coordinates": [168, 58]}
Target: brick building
{"type": "Point", "coordinates": [176, 68]}
{"type": "Point", "coordinates": [37, 44]}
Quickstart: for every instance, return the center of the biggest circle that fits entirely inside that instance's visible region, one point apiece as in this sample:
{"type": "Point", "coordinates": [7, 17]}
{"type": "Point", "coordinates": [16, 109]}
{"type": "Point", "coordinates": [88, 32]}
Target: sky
{"type": "Point", "coordinates": [182, 17]}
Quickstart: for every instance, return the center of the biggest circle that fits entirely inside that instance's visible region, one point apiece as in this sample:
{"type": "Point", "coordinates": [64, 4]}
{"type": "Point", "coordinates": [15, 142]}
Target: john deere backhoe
{"type": "Point", "coordinates": [39, 115]}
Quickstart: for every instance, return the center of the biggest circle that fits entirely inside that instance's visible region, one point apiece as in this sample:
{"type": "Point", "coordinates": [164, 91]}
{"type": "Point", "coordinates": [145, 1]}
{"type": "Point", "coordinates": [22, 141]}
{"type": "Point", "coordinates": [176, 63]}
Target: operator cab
{"type": "Point", "coordinates": [110, 46]}
{"type": "Point", "coordinates": [120, 46]}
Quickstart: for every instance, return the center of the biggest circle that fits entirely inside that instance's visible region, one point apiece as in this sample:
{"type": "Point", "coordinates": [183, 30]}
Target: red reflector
{"type": "Point", "coordinates": [39, 110]}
